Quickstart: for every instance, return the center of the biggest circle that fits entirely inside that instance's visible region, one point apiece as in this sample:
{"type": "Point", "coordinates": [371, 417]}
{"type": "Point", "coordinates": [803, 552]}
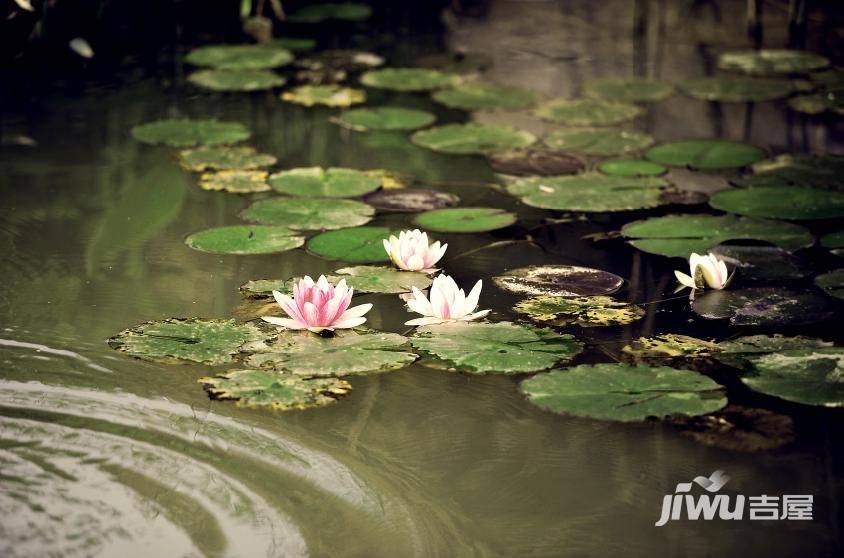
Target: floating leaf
{"type": "Point", "coordinates": [733, 89]}
{"type": "Point", "coordinates": [317, 13]}
{"type": "Point", "coordinates": [589, 191]}
{"type": "Point", "coordinates": [585, 311]}
{"type": "Point", "coordinates": [391, 180]}
{"type": "Point", "coordinates": [763, 306]}
{"type": "Point", "coordinates": [309, 214]}
{"type": "Point", "coordinates": [236, 80]}
{"type": "Point", "coordinates": [476, 95]}
{"type": "Point", "coordinates": [680, 235]}
{"type": "Point", "coordinates": [262, 388]}
{"type": "Point", "coordinates": [319, 182]}
{"type": "Point", "coordinates": [707, 154]}
{"type": "Point", "coordinates": [386, 118]}
{"type": "Point", "coordinates": [763, 263]}
{"type": "Point", "coordinates": [193, 339]}
{"type": "Point", "coordinates": [623, 393]}
{"type": "Point", "coordinates": [184, 132]}
{"type": "Point", "coordinates": [598, 142]}
{"type": "Point", "coordinates": [738, 428]}
{"type": "Point", "coordinates": [629, 90]}
{"type": "Point", "coordinates": [340, 61]}
{"type": "Point", "coordinates": [410, 200]}
{"type": "Point", "coordinates": [587, 112]}
{"type": "Point", "coordinates": [735, 352]}
{"type": "Point", "coordinates": [532, 162]}
{"type": "Point", "coordinates": [632, 167]}
{"type": "Point", "coordinates": [239, 57]}
{"type": "Point", "coordinates": [668, 345]}
{"type": "Point", "coordinates": [472, 138]}
{"type": "Point", "coordinates": [812, 171]}
{"type": "Point", "coordinates": [834, 240]}
{"type": "Point", "coordinates": [810, 376]}
{"type": "Point", "coordinates": [501, 347]}
{"type": "Point", "coordinates": [294, 44]}
{"type": "Point", "coordinates": [376, 279]}
{"type": "Point", "coordinates": [224, 158]}
{"type": "Point", "coordinates": [832, 282]}
{"type": "Point", "coordinates": [559, 280]}
{"type": "Point", "coordinates": [261, 288]}
{"type": "Point", "coordinates": [772, 61]}
{"type": "Point", "coordinates": [235, 181]}
{"type": "Point", "coordinates": [329, 95]}
{"type": "Point", "coordinates": [359, 244]}
{"type": "Point", "coordinates": [818, 103]}
{"type": "Point", "coordinates": [245, 239]}
{"type": "Point", "coordinates": [347, 352]}
{"type": "Point", "coordinates": [409, 79]}
{"type": "Point", "coordinates": [465, 219]}
{"type": "Point", "coordinates": [783, 202]}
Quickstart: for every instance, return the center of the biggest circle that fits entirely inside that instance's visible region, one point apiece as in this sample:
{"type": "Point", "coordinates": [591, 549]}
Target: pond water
{"type": "Point", "coordinates": [102, 453]}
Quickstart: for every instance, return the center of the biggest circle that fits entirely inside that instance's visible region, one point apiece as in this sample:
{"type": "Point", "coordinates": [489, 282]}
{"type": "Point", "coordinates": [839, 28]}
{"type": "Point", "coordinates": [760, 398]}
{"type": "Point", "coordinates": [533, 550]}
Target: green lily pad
{"type": "Point", "coordinates": [386, 118]}
{"type": "Point", "coordinates": [808, 376]}
{"type": "Point", "coordinates": [376, 279]}
{"type": "Point", "coordinates": [740, 352]}
{"type": "Point", "coordinates": [359, 244]}
{"type": "Point", "coordinates": [303, 353]}
{"type": "Point", "coordinates": [263, 288]}
{"type": "Point", "coordinates": [632, 167]}
{"type": "Point", "coordinates": [236, 80]}
{"type": "Point", "coordinates": [668, 346]}
{"type": "Point", "coordinates": [465, 219]}
{"type": "Point", "coordinates": [587, 112]}
{"type": "Point", "coordinates": [343, 11]}
{"type": "Point", "coordinates": [623, 393]}
{"type": "Point", "coordinates": [833, 240]}
{"type": "Point", "coordinates": [631, 90]}
{"type": "Point", "coordinates": [224, 158]}
{"type": "Point", "coordinates": [501, 347]}
{"type": "Point", "coordinates": [832, 282]}
{"type": "Point", "coordinates": [533, 162]}
{"type": "Point", "coordinates": [476, 95]}
{"type": "Point", "coordinates": [706, 154]}
{"type": "Point", "coordinates": [196, 340]}
{"type": "Point", "coordinates": [282, 392]}
{"type": "Point", "coordinates": [184, 132]}
{"type": "Point", "coordinates": [763, 306]}
{"type": "Point", "coordinates": [763, 263]}
{"type": "Point", "coordinates": [819, 103]}
{"type": "Point", "coordinates": [598, 142]}
{"type": "Point", "coordinates": [235, 181]}
{"type": "Point", "coordinates": [410, 200]}
{"type": "Point", "coordinates": [734, 89]}
{"type": "Point", "coordinates": [245, 239]}
{"type": "Point", "coordinates": [309, 214]}
{"type": "Point", "coordinates": [559, 280]}
{"type": "Point", "coordinates": [811, 171]}
{"type": "Point", "coordinates": [294, 44]}
{"type": "Point", "coordinates": [239, 57]}
{"type": "Point", "coordinates": [409, 79]}
{"type": "Point", "coordinates": [782, 202]}
{"type": "Point", "coordinates": [772, 61]}
{"type": "Point", "coordinates": [472, 138]}
{"type": "Point", "coordinates": [737, 428]}
{"type": "Point", "coordinates": [331, 95]}
{"type": "Point", "coordinates": [585, 311]}
{"type": "Point", "coordinates": [327, 183]}
{"type": "Point", "coordinates": [680, 235]}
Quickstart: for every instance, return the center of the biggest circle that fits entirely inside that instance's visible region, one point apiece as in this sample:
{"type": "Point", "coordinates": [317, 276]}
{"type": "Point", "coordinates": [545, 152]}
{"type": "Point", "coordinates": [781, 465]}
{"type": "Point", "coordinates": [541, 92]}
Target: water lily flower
{"type": "Point", "coordinates": [447, 303]}
{"type": "Point", "coordinates": [706, 270]}
{"type": "Point", "coordinates": [318, 306]}
{"type": "Point", "coordinates": [411, 251]}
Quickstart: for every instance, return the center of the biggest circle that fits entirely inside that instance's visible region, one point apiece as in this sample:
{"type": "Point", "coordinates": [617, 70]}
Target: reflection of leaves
{"type": "Point", "coordinates": [261, 388]}
{"type": "Point", "coordinates": [738, 428]}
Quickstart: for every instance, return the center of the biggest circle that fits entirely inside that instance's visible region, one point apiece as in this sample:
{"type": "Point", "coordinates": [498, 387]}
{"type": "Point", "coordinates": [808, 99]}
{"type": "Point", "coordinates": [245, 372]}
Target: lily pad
{"type": "Point", "coordinates": [343, 11]}
{"type": "Point", "coordinates": [327, 183]}
{"type": "Point", "coordinates": [386, 118]}
{"type": "Point", "coordinates": [733, 89]}
{"type": "Point", "coordinates": [236, 80]}
{"type": "Point", "coordinates": [631, 167]}
{"type": "Point", "coordinates": [680, 235]}
{"type": "Point", "coordinates": [763, 306]}
{"type": "Point", "coordinates": [501, 347]}
{"type": "Point", "coordinates": [359, 244]}
{"type": "Point", "coordinates": [472, 138]}
{"type": "Point", "coordinates": [832, 282]}
{"type": "Point", "coordinates": [631, 90]}
{"type": "Point", "coordinates": [624, 393]}
{"type": "Point", "coordinates": [262, 288]}
{"type": "Point", "coordinates": [239, 57]}
{"type": "Point", "coordinates": [737, 428]}
{"type": "Point", "coordinates": [812, 171]}
{"type": "Point", "coordinates": [340, 61]}
{"type": "Point", "coordinates": [410, 200]}
{"type": "Point", "coordinates": [590, 191]}
{"type": "Point", "coordinates": [282, 392]}
{"type": "Point", "coordinates": [309, 214]}
{"type": "Point", "coordinates": [585, 311]}
{"type": "Point", "coordinates": [818, 103]}
{"type": "Point", "coordinates": [587, 112]}
{"type": "Point", "coordinates": [598, 142]}
{"type": "Point", "coordinates": [763, 263]}
{"type": "Point", "coordinates": [245, 239]}
{"type": "Point", "coordinates": [235, 181]}
{"type": "Point", "coordinates": [465, 219]}
{"type": "Point", "coordinates": [782, 202]}
{"type": "Point", "coordinates": [193, 339]}
{"type": "Point", "coordinates": [184, 132]}
{"type": "Point", "coordinates": [376, 279]}
{"type": "Point", "coordinates": [409, 79]}
{"type": "Point", "coordinates": [303, 353]}
{"type": "Point", "coordinates": [476, 95]}
{"type": "Point", "coordinates": [535, 161]}
{"type": "Point", "coordinates": [740, 352]}
{"type": "Point", "coordinates": [294, 44]}
{"type": "Point", "coordinates": [708, 154]}
{"type": "Point", "coordinates": [772, 61]}
{"type": "Point", "coordinates": [669, 346]}
{"type": "Point", "coordinates": [224, 158]}
{"type": "Point", "coordinates": [559, 280]}
{"type": "Point", "coordinates": [833, 240]}
{"type": "Point", "coordinates": [808, 376]}
{"type": "Point", "coordinates": [331, 95]}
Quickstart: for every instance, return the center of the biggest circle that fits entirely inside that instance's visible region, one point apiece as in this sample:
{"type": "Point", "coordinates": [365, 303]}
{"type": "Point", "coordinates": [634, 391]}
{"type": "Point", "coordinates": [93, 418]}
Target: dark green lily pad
{"type": "Point", "coordinates": [763, 306]}
{"type": "Point", "coordinates": [585, 311]}
{"type": "Point", "coordinates": [598, 142]}
{"type": "Point", "coordinates": [476, 95]}
{"type": "Point", "coordinates": [409, 79]}
{"type": "Point", "coordinates": [740, 351]}
{"type": "Point", "coordinates": [245, 239]}
{"type": "Point", "coordinates": [808, 376]}
{"type": "Point", "coordinates": [818, 103]}
{"type": "Point", "coordinates": [193, 339]}
{"type": "Point", "coordinates": [377, 279]}
{"type": "Point", "coordinates": [359, 244]}
{"type": "Point", "coordinates": [737, 428]}
{"type": "Point", "coordinates": [410, 200]}
{"type": "Point", "coordinates": [632, 167]}
{"type": "Point", "coordinates": [236, 80]}
{"type": "Point", "coordinates": [282, 392]}
{"type": "Point", "coordinates": [184, 132]}
{"type": "Point", "coordinates": [624, 393]}
{"type": "Point", "coordinates": [328, 183]}
{"type": "Point", "coordinates": [832, 282]}
{"type": "Point", "coordinates": [331, 95]}
{"type": "Point", "coordinates": [309, 214]}
{"type": "Point", "coordinates": [734, 89]}
{"type": "Point", "coordinates": [589, 191]}
{"type": "Point", "coordinates": [235, 181]}
{"type": "Point", "coordinates": [262, 288]}
{"type": "Point", "coordinates": [239, 57]}
{"type": "Point", "coordinates": [342, 11]}
{"type": "Point", "coordinates": [587, 112]}
{"type": "Point", "coordinates": [294, 44]}
{"type": "Point", "coordinates": [224, 158]}
{"type": "Point", "coordinates": [559, 280]}
{"type": "Point", "coordinates": [763, 263]}
{"type": "Point", "coordinates": [772, 61]}
{"type": "Point", "coordinates": [386, 118]}
{"type": "Point", "coordinates": [629, 90]}
{"type": "Point", "coordinates": [495, 348]}
{"type": "Point", "coordinates": [465, 219]}
{"type": "Point", "coordinates": [303, 353]}
{"type": "Point", "coordinates": [811, 171]}
{"type": "Point", "coordinates": [668, 346]}
{"type": "Point", "coordinates": [680, 235]}
{"type": "Point", "coordinates": [708, 154]}
{"type": "Point", "coordinates": [781, 202]}
{"type": "Point", "coordinates": [535, 162]}
{"type": "Point", "coordinates": [472, 138]}
{"type": "Point", "coordinates": [833, 240]}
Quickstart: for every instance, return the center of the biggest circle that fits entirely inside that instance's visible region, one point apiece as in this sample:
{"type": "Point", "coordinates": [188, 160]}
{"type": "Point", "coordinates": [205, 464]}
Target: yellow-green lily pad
{"type": "Point", "coordinates": [587, 112]}
{"type": "Point", "coordinates": [604, 142]}
{"type": "Point", "coordinates": [239, 57]}
{"type": "Point", "coordinates": [235, 181]}
{"type": "Point", "coordinates": [236, 80]}
{"type": "Point", "coordinates": [331, 95]}
{"type": "Point", "coordinates": [185, 132]}
{"type": "Point", "coordinates": [267, 388]}
{"type": "Point", "coordinates": [224, 158]}
{"type": "Point", "coordinates": [409, 79]}
{"type": "Point", "coordinates": [772, 61]}
{"type": "Point", "coordinates": [324, 183]}
{"type": "Point", "coordinates": [477, 95]}
{"type": "Point", "coordinates": [585, 311]}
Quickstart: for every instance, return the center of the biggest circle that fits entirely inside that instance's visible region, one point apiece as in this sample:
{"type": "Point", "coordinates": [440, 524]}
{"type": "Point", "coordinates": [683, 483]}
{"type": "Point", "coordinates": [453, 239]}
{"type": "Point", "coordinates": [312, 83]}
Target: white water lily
{"type": "Point", "coordinates": [708, 270]}
{"type": "Point", "coordinates": [411, 251]}
{"type": "Point", "coordinates": [447, 303]}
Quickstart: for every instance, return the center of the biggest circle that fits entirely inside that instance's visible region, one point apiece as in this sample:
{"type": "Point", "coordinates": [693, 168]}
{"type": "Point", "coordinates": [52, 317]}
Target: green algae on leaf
{"type": "Point", "coordinates": [763, 306]}
{"type": "Point", "coordinates": [740, 351]}
{"type": "Point", "coordinates": [472, 138]}
{"type": "Point", "coordinates": [378, 279]}
{"type": "Point", "coordinates": [623, 393]}
{"type": "Point", "coordinates": [587, 112]}
{"type": "Point", "coordinates": [331, 95]}
{"type": "Point", "coordinates": [236, 80]}
{"type": "Point", "coordinates": [318, 13]}
{"type": "Point", "coordinates": [818, 103]}
{"type": "Point", "coordinates": [386, 118]}
{"type": "Point", "coordinates": [668, 346]}
{"type": "Point", "coordinates": [410, 200]}
{"type": "Point", "coordinates": [585, 311]}
{"type": "Point", "coordinates": [185, 132]}
{"type": "Point", "coordinates": [559, 280]}
{"type": "Point", "coordinates": [631, 167]}
{"type": "Point", "coordinates": [772, 61]}
{"type": "Point", "coordinates": [832, 282]}
{"type": "Point", "coordinates": [328, 183]}
{"type": "Point", "coordinates": [811, 376]}
{"type": "Point", "coordinates": [706, 154]}
{"type": "Point", "coordinates": [763, 263]}
{"type": "Point", "coordinates": [781, 202]}
{"type": "Point", "coordinates": [535, 162]}
{"type": "Point", "coordinates": [812, 171]}
{"type": "Point", "coordinates": [629, 90]}
{"type": "Point", "coordinates": [475, 95]}
{"type": "Point", "coordinates": [309, 214]}
{"type": "Point", "coordinates": [235, 181]}
{"type": "Point", "coordinates": [501, 347]}
{"type": "Point", "coordinates": [606, 142]}
{"type": "Point", "coordinates": [282, 392]}
{"type": "Point", "coordinates": [224, 158]}
{"type": "Point", "coordinates": [359, 244]}
{"type": "Point", "coordinates": [239, 57]}
{"type": "Point", "coordinates": [245, 239]}
{"type": "Point", "coordinates": [733, 89]}
{"type": "Point", "coordinates": [465, 219]}
{"type": "Point", "coordinates": [409, 79]}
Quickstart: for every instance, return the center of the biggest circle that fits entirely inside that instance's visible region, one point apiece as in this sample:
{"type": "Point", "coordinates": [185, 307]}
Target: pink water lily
{"type": "Point", "coordinates": [411, 251]}
{"type": "Point", "coordinates": [447, 303]}
{"type": "Point", "coordinates": [706, 270]}
{"type": "Point", "coordinates": [318, 306]}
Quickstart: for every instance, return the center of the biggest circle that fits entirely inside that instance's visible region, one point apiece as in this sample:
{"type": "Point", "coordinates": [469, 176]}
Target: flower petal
{"type": "Point", "coordinates": [346, 323]}
{"type": "Point", "coordinates": [284, 322]}
{"type": "Point", "coordinates": [685, 280]}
